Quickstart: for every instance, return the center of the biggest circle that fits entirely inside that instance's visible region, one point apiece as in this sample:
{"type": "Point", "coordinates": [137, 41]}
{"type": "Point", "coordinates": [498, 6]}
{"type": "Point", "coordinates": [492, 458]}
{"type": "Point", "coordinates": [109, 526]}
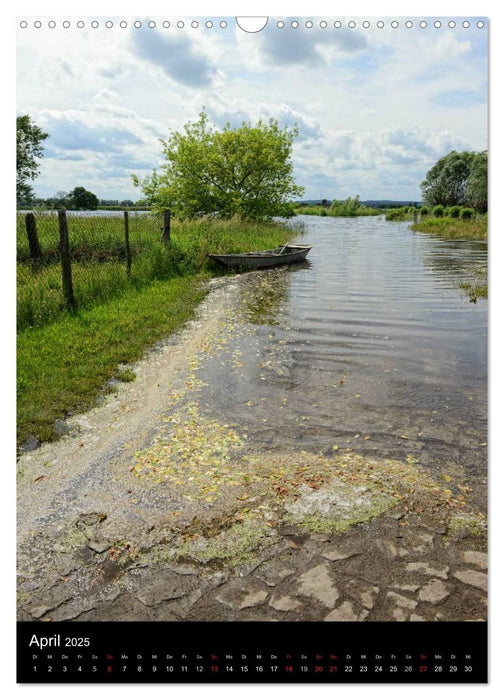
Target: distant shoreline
{"type": "Point", "coordinates": [104, 208]}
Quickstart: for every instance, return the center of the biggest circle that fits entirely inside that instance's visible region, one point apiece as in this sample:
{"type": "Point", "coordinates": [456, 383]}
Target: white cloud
{"type": "Point", "coordinates": [294, 48]}
{"type": "Point", "coordinates": [360, 162]}
{"type": "Point", "coordinates": [176, 55]}
{"type": "Point", "coordinates": [371, 106]}
{"type": "Point", "coordinates": [236, 111]}
{"type": "Point", "coordinates": [449, 47]}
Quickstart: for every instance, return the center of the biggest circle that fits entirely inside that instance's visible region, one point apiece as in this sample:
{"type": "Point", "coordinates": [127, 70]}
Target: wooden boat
{"type": "Point", "coordinates": [285, 255]}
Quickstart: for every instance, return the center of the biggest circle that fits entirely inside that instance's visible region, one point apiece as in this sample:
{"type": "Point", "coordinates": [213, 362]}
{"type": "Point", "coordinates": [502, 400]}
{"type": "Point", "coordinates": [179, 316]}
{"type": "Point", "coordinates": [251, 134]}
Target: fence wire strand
{"type": "Point", "coordinates": [108, 253]}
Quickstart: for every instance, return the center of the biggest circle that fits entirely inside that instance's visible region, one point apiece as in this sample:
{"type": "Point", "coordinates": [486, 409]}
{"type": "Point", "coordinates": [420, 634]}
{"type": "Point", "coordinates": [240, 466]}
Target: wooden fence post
{"type": "Point", "coordinates": [33, 241]}
{"type": "Point", "coordinates": [166, 226]}
{"type": "Point", "coordinates": [66, 264]}
{"type": "Point", "coordinates": [127, 241]}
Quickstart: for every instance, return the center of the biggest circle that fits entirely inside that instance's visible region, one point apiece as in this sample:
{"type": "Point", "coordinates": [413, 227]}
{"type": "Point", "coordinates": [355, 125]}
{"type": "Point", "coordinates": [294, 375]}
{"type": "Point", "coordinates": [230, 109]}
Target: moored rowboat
{"type": "Point", "coordinates": [285, 255]}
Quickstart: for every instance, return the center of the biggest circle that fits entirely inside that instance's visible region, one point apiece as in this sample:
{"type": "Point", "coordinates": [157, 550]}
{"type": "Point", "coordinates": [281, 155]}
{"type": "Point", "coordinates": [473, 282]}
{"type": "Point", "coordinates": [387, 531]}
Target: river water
{"type": "Point", "coordinates": [372, 345]}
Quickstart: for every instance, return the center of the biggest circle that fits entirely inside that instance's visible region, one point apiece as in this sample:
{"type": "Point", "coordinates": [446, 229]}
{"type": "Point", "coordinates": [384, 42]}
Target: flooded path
{"type": "Point", "coordinates": [313, 446]}
{"type": "Point", "coordinates": [372, 344]}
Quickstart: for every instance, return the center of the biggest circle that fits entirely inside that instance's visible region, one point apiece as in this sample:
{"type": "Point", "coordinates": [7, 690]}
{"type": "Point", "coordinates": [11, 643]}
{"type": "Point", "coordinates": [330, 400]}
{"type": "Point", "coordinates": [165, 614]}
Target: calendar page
{"type": "Point", "coordinates": [252, 349]}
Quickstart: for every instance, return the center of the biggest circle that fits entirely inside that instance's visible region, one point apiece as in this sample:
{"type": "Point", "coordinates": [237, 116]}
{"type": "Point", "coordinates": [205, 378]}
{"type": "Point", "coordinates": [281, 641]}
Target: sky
{"type": "Point", "coordinates": [375, 107]}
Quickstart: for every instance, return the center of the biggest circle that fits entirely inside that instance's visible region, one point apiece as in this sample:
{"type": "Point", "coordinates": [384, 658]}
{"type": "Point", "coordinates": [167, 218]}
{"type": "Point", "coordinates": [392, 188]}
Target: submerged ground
{"type": "Point", "coordinates": [186, 495]}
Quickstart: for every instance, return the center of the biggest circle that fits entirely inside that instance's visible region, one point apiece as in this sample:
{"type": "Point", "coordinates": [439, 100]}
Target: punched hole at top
{"type": "Point", "coordinates": [251, 24]}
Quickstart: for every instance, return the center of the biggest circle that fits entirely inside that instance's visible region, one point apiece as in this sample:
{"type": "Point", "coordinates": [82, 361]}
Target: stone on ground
{"type": "Point", "coordinates": [317, 583]}
{"type": "Point", "coordinates": [473, 578]}
{"type": "Point", "coordinates": [242, 594]}
{"type": "Point", "coordinates": [435, 592]}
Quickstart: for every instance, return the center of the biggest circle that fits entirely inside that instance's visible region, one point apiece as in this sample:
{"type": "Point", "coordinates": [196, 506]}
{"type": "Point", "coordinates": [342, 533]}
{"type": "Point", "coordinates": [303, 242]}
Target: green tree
{"type": "Point", "coordinates": [80, 198]}
{"type": "Point", "coordinates": [477, 185]}
{"type": "Point", "coordinates": [446, 182]}
{"type": "Point", "coordinates": [246, 171]}
{"type": "Point", "coordinates": [457, 179]}
{"type": "Point", "coordinates": [29, 149]}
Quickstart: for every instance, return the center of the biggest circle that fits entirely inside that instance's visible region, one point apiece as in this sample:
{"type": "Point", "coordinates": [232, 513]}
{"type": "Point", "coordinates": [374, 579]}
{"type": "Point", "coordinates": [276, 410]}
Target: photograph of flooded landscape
{"type": "Point", "coordinates": [252, 336]}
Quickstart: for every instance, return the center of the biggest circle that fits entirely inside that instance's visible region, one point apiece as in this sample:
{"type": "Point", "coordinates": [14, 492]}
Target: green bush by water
{"type": "Point", "coordinates": [399, 214]}
{"type": "Point", "coordinates": [348, 207]}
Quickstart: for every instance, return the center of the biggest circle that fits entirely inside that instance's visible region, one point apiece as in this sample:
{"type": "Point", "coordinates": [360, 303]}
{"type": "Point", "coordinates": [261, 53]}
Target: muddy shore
{"type": "Point", "coordinates": [159, 505]}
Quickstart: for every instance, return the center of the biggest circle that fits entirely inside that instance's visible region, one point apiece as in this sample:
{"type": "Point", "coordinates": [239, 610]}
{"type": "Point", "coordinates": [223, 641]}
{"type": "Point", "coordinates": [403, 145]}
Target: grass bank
{"type": "Point", "coordinates": [447, 227]}
{"type": "Point", "coordinates": [63, 366]}
{"type": "Point", "coordinates": [64, 359]}
{"type": "Point", "coordinates": [98, 253]}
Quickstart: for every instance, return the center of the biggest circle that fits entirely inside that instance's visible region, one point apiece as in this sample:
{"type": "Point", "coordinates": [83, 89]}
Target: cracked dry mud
{"type": "Point", "coordinates": [166, 503]}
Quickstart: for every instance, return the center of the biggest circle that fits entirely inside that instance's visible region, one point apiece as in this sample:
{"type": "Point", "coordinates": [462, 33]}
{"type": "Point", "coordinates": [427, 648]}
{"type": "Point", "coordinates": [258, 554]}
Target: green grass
{"type": "Point", "coordinates": [125, 375]}
{"type": "Point", "coordinates": [99, 257]}
{"type": "Point", "coordinates": [64, 359]}
{"type": "Point", "coordinates": [447, 227]}
{"type": "Point", "coordinates": [92, 238]}
{"type": "Point", "coordinates": [475, 291]}
{"type": "Point", "coordinates": [63, 366]}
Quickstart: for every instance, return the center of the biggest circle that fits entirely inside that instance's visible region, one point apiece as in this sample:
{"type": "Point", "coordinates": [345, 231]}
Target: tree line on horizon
{"type": "Point", "coordinates": [79, 198]}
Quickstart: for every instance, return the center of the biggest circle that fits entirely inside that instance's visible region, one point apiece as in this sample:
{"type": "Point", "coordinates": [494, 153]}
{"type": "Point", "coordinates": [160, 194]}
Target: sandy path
{"type": "Point", "coordinates": [78, 474]}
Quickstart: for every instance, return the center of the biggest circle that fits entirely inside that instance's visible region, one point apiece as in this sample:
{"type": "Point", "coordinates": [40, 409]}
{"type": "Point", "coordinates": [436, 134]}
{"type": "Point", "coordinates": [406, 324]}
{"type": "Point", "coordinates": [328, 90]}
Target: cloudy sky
{"type": "Point", "coordinates": [376, 107]}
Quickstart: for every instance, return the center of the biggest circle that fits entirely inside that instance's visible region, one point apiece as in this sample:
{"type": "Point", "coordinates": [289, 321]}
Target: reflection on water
{"type": "Point", "coordinates": [265, 297]}
{"type": "Point", "coordinates": [372, 347]}
{"type": "Point", "coordinates": [461, 263]}
{"type": "Point", "coordinates": [380, 294]}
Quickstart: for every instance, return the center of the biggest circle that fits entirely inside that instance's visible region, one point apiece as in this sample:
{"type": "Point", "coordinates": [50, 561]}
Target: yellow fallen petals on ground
{"type": "Point", "coordinates": [201, 459]}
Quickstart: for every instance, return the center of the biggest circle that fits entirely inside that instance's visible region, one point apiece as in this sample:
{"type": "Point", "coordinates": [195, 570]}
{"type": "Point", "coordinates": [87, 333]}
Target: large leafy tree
{"type": "Point", "coordinates": [80, 198]}
{"type": "Point", "coordinates": [245, 171]}
{"type": "Point", "coordinates": [477, 185]}
{"type": "Point", "coordinates": [29, 149]}
{"type": "Point", "coordinates": [458, 178]}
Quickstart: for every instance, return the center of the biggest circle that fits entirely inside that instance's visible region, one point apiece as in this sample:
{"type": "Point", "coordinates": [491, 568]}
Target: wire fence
{"type": "Point", "coordinates": [68, 260]}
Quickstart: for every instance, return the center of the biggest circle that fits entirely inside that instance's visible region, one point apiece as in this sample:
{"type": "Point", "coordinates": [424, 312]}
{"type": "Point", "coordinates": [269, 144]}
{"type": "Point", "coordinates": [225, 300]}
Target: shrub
{"type": "Point", "coordinates": [397, 215]}
{"type": "Point", "coordinates": [424, 211]}
{"type": "Point", "coordinates": [466, 213]}
{"type": "Point", "coordinates": [455, 212]}
{"type": "Point", "coordinates": [349, 207]}
{"type": "Point", "coordinates": [125, 375]}
{"type": "Point", "coordinates": [438, 211]}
